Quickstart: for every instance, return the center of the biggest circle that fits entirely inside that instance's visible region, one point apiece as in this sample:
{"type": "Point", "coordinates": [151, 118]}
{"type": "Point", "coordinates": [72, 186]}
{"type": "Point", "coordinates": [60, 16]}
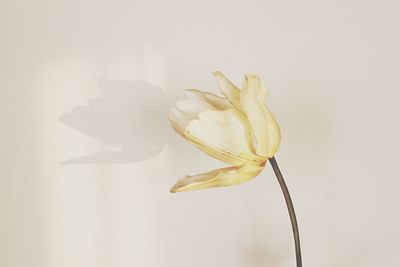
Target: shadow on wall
{"type": "Point", "coordinates": [132, 117]}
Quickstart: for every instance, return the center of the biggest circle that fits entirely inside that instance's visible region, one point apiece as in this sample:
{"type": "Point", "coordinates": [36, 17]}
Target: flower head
{"type": "Point", "coordinates": [236, 128]}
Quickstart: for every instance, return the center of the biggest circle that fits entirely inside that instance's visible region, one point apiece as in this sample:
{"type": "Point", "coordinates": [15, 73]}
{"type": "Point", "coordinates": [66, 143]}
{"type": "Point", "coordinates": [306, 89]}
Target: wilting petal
{"type": "Point", "coordinates": [193, 106]}
{"type": "Point", "coordinates": [216, 178]}
{"type": "Point", "coordinates": [179, 121]}
{"type": "Point", "coordinates": [265, 129]}
{"type": "Point", "coordinates": [228, 89]}
{"type": "Point", "coordinates": [222, 135]}
{"type": "Point", "coordinates": [233, 93]}
{"type": "Point", "coordinates": [220, 103]}
{"type": "Point", "coordinates": [249, 130]}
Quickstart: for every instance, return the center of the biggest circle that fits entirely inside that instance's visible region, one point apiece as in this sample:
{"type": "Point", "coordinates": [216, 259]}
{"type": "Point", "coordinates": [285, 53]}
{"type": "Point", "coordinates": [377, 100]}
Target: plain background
{"type": "Point", "coordinates": [87, 156]}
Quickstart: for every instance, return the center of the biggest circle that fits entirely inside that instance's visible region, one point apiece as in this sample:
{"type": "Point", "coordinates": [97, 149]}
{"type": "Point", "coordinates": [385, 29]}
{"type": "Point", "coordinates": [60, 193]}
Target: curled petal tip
{"type": "Point", "coordinates": [216, 72]}
{"type": "Point", "coordinates": [179, 185]}
{"type": "Point", "coordinates": [219, 76]}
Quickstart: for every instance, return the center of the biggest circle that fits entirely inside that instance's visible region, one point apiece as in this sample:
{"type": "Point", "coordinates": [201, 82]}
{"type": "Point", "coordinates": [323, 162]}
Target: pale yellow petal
{"type": "Point", "coordinates": [248, 129]}
{"type": "Point", "coordinates": [192, 107]}
{"type": "Point", "coordinates": [233, 94]}
{"type": "Point", "coordinates": [228, 89]}
{"type": "Point", "coordinates": [222, 135]}
{"type": "Point", "coordinates": [265, 128]}
{"type": "Point", "coordinates": [220, 103]}
{"type": "Point", "coordinates": [179, 121]}
{"type": "Point", "coordinates": [217, 178]}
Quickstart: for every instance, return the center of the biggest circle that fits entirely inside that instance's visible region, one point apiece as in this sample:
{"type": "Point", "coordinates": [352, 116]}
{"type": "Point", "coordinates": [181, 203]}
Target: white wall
{"type": "Point", "coordinates": [87, 156]}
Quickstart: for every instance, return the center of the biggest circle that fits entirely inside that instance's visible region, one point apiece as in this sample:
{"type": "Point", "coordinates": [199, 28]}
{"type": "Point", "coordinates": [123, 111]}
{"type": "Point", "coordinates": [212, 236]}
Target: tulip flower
{"type": "Point", "coordinates": [236, 128]}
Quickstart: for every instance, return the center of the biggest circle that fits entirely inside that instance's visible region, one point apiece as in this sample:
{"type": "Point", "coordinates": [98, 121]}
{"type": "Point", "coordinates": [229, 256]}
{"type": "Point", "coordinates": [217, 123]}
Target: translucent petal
{"type": "Point", "coordinates": [220, 103]}
{"type": "Point", "coordinates": [216, 178]}
{"type": "Point", "coordinates": [233, 94]}
{"type": "Point", "coordinates": [222, 135]}
{"type": "Point", "coordinates": [228, 89]}
{"type": "Point", "coordinates": [193, 106]}
{"type": "Point", "coordinates": [265, 129]}
{"type": "Point", "coordinates": [179, 121]}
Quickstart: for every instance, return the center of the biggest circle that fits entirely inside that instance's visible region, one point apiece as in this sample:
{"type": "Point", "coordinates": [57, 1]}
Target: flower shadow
{"type": "Point", "coordinates": [130, 117]}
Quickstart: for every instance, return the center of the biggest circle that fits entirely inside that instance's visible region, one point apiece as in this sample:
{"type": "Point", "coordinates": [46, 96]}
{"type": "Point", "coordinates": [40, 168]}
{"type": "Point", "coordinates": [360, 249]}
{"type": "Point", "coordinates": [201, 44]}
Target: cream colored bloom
{"type": "Point", "coordinates": [236, 128]}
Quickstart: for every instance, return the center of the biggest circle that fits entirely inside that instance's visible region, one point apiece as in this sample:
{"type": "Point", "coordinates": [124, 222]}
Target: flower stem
{"type": "Point", "coordinates": [290, 207]}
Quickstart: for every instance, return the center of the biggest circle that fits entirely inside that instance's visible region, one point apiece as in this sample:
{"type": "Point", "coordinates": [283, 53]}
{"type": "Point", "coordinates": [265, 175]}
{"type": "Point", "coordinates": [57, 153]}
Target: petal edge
{"type": "Point", "coordinates": [217, 178]}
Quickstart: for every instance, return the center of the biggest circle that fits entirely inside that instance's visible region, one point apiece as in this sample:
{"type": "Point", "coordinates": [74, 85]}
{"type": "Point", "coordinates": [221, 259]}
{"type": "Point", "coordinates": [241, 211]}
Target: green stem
{"type": "Point", "coordinates": [290, 207]}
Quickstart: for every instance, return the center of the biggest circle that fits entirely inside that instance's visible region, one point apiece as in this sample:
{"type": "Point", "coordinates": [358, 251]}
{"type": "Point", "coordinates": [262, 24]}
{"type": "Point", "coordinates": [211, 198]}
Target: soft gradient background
{"type": "Point", "coordinates": [87, 156]}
